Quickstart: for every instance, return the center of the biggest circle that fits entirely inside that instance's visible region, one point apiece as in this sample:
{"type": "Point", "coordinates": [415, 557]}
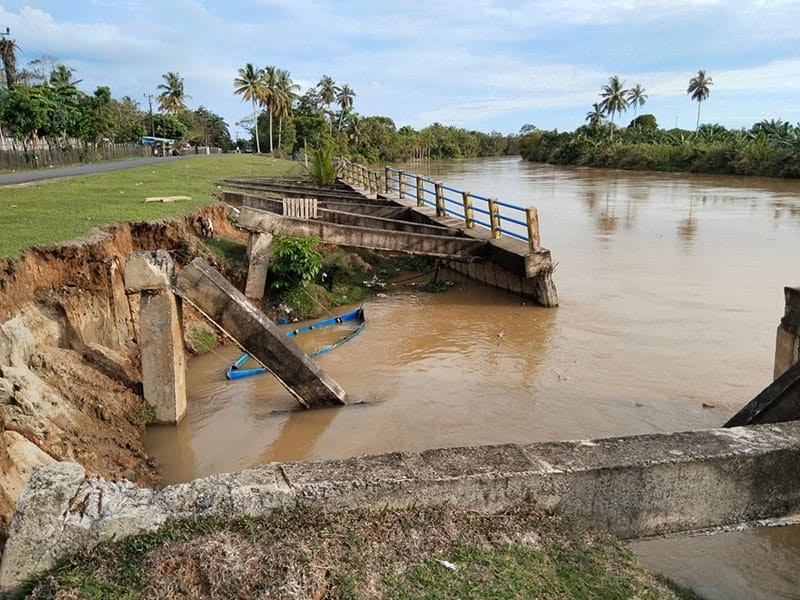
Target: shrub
{"type": "Point", "coordinates": [295, 262]}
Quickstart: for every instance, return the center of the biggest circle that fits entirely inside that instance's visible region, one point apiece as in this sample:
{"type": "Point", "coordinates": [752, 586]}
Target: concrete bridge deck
{"type": "Point", "coordinates": [394, 225]}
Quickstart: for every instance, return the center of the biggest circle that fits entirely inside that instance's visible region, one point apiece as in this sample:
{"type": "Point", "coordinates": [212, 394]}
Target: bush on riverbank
{"type": "Point", "coordinates": [303, 552]}
{"type": "Point", "coordinates": [769, 148]}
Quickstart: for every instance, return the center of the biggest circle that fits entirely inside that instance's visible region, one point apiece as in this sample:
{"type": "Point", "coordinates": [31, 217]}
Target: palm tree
{"type": "Point", "coordinates": [327, 92]}
{"type": "Point", "coordinates": [61, 78]}
{"type": "Point", "coordinates": [596, 116]}
{"type": "Point", "coordinates": [614, 97]}
{"type": "Point", "coordinates": [345, 100]}
{"type": "Point", "coordinates": [698, 88]}
{"type": "Point", "coordinates": [636, 97]}
{"type": "Point", "coordinates": [269, 98]}
{"type": "Point", "coordinates": [250, 85]}
{"type": "Point", "coordinates": [172, 98]}
{"type": "Point", "coordinates": [285, 96]}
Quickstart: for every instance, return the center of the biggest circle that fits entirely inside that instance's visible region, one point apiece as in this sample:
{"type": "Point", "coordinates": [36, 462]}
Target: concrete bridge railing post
{"type": "Point", "coordinates": [420, 191]}
{"type": "Point", "coordinates": [386, 174]}
{"type": "Point", "coordinates": [150, 273]}
{"type": "Point", "coordinates": [401, 176]}
{"type": "Point", "coordinates": [534, 237]}
{"type": "Point", "coordinates": [468, 216]}
{"type": "Point", "coordinates": [494, 218]}
{"type": "Point", "coordinates": [787, 343]}
{"type": "Point", "coordinates": [440, 212]}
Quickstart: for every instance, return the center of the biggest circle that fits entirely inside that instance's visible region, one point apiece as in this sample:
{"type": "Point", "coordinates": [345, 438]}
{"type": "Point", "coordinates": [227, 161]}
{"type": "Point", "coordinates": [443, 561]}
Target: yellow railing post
{"type": "Point", "coordinates": [534, 237]}
{"type": "Point", "coordinates": [401, 176]}
{"type": "Point", "coordinates": [420, 191]}
{"type": "Point", "coordinates": [439, 199]}
{"type": "Point", "coordinates": [468, 218]}
{"type": "Point", "coordinates": [386, 172]}
{"type": "Point", "coordinates": [494, 218]}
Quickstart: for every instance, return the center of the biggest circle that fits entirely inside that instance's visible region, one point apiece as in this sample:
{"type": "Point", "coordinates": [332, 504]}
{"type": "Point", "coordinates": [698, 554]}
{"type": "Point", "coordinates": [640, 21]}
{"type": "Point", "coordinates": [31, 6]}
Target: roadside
{"type": "Point", "coordinates": [412, 552]}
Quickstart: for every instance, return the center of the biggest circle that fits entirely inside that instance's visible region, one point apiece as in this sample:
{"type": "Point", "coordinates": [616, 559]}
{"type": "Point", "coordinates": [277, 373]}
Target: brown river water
{"type": "Point", "coordinates": [671, 289]}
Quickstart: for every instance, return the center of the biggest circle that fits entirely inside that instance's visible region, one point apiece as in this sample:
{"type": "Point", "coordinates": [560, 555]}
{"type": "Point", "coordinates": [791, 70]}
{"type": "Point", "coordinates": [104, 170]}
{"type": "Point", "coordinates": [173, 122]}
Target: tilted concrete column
{"type": "Point", "coordinates": [160, 333]}
{"type": "Point", "coordinates": [205, 288]}
{"type": "Point", "coordinates": [258, 253]}
{"type": "Point", "coordinates": [787, 344]}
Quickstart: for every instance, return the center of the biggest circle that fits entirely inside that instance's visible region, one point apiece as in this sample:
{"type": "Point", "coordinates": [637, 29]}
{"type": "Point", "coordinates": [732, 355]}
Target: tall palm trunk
{"type": "Point", "coordinates": [255, 123]}
{"type": "Point", "coordinates": [269, 108]}
{"type": "Point", "coordinates": [697, 127]}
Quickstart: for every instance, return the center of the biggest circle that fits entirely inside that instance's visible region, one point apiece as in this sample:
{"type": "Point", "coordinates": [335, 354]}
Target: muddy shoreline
{"type": "Point", "coordinates": [70, 384]}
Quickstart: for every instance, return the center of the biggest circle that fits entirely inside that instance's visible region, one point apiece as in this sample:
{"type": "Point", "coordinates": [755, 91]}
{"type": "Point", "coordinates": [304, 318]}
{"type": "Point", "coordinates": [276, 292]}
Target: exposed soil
{"type": "Point", "coordinates": [69, 369]}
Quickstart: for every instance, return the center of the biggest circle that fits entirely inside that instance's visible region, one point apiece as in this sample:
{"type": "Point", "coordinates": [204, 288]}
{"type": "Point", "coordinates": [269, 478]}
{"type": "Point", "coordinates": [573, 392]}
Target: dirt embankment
{"type": "Point", "coordinates": [69, 365]}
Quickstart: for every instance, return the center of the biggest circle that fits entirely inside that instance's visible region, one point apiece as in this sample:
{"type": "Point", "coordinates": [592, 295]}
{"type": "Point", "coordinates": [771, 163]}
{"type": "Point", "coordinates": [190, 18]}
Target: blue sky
{"type": "Point", "coordinates": [478, 64]}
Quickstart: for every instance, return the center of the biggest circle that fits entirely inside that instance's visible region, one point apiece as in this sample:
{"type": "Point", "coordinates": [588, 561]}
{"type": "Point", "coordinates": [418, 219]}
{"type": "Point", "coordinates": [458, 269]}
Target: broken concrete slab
{"type": "Point", "coordinates": [148, 270]}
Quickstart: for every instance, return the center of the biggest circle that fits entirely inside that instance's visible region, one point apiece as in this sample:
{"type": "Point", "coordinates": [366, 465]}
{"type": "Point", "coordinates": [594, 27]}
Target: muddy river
{"type": "Point", "coordinates": [671, 288]}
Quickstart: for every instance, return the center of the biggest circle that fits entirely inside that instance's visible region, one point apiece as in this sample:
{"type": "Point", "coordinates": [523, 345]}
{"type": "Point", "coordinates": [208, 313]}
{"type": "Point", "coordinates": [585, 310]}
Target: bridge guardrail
{"type": "Point", "coordinates": [495, 215]}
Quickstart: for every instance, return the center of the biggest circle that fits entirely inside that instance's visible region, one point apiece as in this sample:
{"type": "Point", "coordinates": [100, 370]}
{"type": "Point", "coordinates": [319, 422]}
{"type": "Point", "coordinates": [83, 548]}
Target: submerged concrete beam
{"type": "Point", "coordinates": [637, 486]}
{"type": "Point", "coordinates": [204, 287]}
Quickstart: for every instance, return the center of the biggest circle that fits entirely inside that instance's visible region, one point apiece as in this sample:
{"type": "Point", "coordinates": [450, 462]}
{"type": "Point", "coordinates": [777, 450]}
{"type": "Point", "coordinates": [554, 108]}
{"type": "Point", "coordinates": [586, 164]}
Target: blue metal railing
{"type": "Point", "coordinates": [499, 217]}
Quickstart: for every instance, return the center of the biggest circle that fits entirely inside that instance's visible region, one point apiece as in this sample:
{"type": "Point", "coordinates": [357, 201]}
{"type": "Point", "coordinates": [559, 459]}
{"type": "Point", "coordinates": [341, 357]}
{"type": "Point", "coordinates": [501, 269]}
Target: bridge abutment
{"type": "Point", "coordinates": [160, 333]}
{"type": "Point", "coordinates": [787, 343]}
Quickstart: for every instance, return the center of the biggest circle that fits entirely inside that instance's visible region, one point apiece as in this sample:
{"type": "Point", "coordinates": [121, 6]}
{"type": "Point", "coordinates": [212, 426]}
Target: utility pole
{"type": "Point", "coordinates": [152, 123]}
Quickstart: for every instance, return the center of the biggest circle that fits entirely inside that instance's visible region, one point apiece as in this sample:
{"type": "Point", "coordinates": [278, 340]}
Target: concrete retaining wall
{"type": "Point", "coordinates": [633, 486]}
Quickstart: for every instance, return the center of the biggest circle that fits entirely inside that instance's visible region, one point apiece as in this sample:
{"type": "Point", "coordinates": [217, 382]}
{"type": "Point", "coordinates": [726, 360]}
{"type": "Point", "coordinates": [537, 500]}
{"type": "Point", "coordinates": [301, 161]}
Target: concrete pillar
{"type": "Point", "coordinates": [160, 333]}
{"type": "Point", "coordinates": [787, 344]}
{"type": "Point", "coordinates": [258, 253]}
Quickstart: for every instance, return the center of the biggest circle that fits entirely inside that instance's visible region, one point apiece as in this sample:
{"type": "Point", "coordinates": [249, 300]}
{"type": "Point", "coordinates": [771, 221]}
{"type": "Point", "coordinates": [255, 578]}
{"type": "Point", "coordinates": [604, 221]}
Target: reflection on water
{"type": "Point", "coordinates": [758, 564]}
{"type": "Point", "coordinates": [671, 288]}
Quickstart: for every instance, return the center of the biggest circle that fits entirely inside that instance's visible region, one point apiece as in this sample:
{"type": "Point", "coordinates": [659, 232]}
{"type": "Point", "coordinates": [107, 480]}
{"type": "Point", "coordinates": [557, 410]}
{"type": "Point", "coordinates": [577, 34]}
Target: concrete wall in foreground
{"type": "Point", "coordinates": [633, 486]}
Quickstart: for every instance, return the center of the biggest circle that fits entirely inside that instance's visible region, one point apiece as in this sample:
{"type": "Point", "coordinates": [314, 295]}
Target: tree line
{"type": "Point", "coordinates": [42, 104]}
{"type": "Point", "coordinates": [767, 148]}
{"type": "Point", "coordinates": [325, 115]}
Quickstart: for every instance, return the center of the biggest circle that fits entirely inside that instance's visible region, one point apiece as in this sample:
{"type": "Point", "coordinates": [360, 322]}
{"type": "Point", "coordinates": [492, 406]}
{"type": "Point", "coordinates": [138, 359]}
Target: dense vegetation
{"type": "Point", "coordinates": [769, 148]}
{"type": "Point", "coordinates": [325, 116]}
{"type": "Point", "coordinates": [42, 105]}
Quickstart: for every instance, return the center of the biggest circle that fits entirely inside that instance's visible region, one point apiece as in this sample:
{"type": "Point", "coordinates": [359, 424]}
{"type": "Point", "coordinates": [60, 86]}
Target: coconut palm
{"type": "Point", "coordinates": [250, 85]}
{"type": "Point", "coordinates": [636, 97]}
{"type": "Point", "coordinates": [345, 100]}
{"type": "Point", "coordinates": [172, 98]}
{"type": "Point", "coordinates": [269, 98]}
{"type": "Point", "coordinates": [327, 92]}
{"type": "Point", "coordinates": [285, 96]}
{"type": "Point", "coordinates": [614, 97]}
{"type": "Point", "coordinates": [699, 90]}
{"type": "Point", "coordinates": [61, 78]}
{"type": "Point", "coordinates": [596, 116]}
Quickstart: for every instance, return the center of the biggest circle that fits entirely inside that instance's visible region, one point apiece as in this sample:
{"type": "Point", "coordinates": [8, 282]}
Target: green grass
{"type": "Point", "coordinates": [58, 210]}
{"type": "Point", "coordinates": [201, 339]}
{"type": "Point", "coordinates": [398, 553]}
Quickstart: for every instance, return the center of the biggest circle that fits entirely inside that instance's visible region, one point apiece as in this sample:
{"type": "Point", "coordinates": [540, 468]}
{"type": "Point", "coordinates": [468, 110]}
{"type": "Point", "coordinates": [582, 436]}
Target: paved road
{"type": "Point", "coordinates": [47, 173]}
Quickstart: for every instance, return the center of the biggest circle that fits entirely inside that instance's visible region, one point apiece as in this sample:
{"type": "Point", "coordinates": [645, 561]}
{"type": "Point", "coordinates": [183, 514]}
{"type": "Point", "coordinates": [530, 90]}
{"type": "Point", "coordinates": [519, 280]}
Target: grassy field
{"type": "Point", "coordinates": [62, 209]}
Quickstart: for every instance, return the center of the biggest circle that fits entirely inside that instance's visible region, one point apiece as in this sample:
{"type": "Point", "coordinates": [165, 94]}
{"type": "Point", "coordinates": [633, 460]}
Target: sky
{"type": "Point", "coordinates": [485, 65]}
